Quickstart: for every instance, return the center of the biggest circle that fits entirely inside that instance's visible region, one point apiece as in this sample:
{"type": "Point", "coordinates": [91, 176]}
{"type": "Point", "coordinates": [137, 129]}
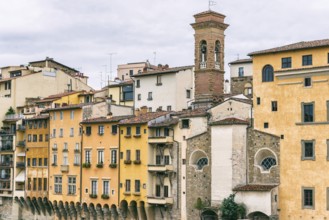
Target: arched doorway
{"type": "Point", "coordinates": [258, 216]}
{"type": "Point", "coordinates": [209, 215]}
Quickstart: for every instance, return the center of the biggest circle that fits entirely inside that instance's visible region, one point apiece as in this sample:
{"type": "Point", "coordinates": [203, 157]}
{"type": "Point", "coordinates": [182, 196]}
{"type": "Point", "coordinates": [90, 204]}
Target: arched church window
{"type": "Point", "coordinates": [203, 54]}
{"type": "Point", "coordinates": [201, 163]}
{"type": "Point", "coordinates": [267, 74]}
{"type": "Point", "coordinates": [268, 162]}
{"type": "Point", "coordinates": [217, 55]}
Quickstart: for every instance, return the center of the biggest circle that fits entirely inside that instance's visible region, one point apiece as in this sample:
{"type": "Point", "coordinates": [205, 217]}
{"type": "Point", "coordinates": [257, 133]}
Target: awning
{"type": "Point", "coordinates": [20, 177]}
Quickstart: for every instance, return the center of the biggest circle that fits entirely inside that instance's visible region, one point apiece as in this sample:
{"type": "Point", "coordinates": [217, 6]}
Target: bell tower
{"type": "Point", "coordinates": [209, 37]}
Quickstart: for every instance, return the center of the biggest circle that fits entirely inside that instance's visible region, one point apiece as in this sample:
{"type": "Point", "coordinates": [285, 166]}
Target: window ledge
{"type": "Point", "coordinates": [137, 135]}
{"type": "Point", "coordinates": [158, 84]}
{"type": "Point", "coordinates": [137, 193]}
{"type": "Point", "coordinates": [313, 123]}
{"type": "Point", "coordinates": [308, 158]}
{"type": "Point", "coordinates": [127, 136]}
{"type": "Point", "coordinates": [127, 193]}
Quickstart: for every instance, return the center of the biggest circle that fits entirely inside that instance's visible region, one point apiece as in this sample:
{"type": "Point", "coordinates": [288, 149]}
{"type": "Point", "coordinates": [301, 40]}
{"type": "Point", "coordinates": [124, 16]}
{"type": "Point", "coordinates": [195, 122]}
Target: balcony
{"type": "Point", "coordinates": [6, 148]}
{"type": "Point", "coordinates": [65, 168]}
{"type": "Point", "coordinates": [161, 139]}
{"type": "Point", "coordinates": [5, 177]}
{"type": "Point", "coordinates": [21, 144]}
{"type": "Point", "coordinates": [6, 164]}
{"type": "Point", "coordinates": [21, 128]}
{"type": "Point", "coordinates": [217, 65]}
{"type": "Point", "coordinates": [14, 117]}
{"type": "Point", "coordinates": [160, 168]}
{"type": "Point", "coordinates": [160, 200]}
{"type": "Point", "coordinates": [203, 65]}
{"type": "Point", "coordinates": [20, 164]}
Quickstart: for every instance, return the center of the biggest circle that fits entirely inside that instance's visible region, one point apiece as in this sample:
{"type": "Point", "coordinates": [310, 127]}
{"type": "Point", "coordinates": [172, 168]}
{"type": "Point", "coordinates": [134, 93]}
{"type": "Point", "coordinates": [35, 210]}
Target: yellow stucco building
{"type": "Point", "coordinates": [100, 149]}
{"type": "Point", "coordinates": [291, 100]}
{"type": "Point", "coordinates": [135, 180]}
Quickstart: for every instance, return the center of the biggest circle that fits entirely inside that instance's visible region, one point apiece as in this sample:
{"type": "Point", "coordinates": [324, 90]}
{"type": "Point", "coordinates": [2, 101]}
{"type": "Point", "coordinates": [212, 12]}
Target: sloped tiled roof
{"type": "Point", "coordinates": [192, 113]}
{"type": "Point", "coordinates": [143, 118]}
{"type": "Point", "coordinates": [38, 117]}
{"type": "Point", "coordinates": [69, 107]}
{"type": "Point", "coordinates": [255, 187]}
{"type": "Point", "coordinates": [241, 61]}
{"type": "Point", "coordinates": [295, 46]}
{"type": "Point", "coordinates": [105, 120]}
{"type": "Point", "coordinates": [165, 71]}
{"type": "Point", "coordinates": [230, 121]}
{"type": "Point", "coordinates": [165, 123]}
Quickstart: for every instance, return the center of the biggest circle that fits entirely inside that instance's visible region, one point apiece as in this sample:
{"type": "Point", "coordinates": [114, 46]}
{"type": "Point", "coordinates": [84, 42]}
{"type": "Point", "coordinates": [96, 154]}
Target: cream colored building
{"type": "Point", "coordinates": [291, 101]}
{"type": "Point", "coordinates": [125, 71]}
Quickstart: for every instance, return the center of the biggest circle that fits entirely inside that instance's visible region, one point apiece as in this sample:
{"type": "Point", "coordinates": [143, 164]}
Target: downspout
{"type": "Point", "coordinates": [81, 147]}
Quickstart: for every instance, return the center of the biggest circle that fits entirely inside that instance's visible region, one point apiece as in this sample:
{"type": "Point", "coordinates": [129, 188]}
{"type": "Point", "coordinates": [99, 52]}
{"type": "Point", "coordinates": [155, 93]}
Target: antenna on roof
{"type": "Point", "coordinates": [111, 54]}
{"type": "Point", "coordinates": [211, 3]}
{"type": "Point", "coordinates": [155, 57]}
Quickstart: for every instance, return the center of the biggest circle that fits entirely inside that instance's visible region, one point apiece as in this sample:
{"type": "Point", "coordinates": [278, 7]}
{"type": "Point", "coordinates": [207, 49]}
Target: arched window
{"type": "Point", "coordinates": [201, 163]}
{"type": "Point", "coordinates": [267, 75]}
{"type": "Point", "coordinates": [203, 54]}
{"type": "Point", "coordinates": [268, 162]}
{"type": "Point", "coordinates": [217, 55]}
{"type": "Point", "coordinates": [248, 89]}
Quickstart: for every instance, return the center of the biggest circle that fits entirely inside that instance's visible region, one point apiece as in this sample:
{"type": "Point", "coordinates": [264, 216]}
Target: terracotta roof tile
{"type": "Point", "coordinates": [37, 117]}
{"type": "Point", "coordinates": [255, 188]}
{"type": "Point", "coordinates": [230, 121]}
{"type": "Point", "coordinates": [165, 123]}
{"type": "Point", "coordinates": [192, 113]}
{"type": "Point", "coordinates": [105, 120]}
{"type": "Point", "coordinates": [241, 61]}
{"type": "Point", "coordinates": [68, 107]}
{"type": "Point", "coordinates": [143, 118]}
{"type": "Point", "coordinates": [295, 46]}
{"type": "Point", "coordinates": [165, 71]}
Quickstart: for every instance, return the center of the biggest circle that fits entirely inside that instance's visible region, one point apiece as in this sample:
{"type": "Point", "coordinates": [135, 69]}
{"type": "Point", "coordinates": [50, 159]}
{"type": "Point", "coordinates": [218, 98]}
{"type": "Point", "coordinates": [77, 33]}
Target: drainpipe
{"type": "Point", "coordinates": [81, 147]}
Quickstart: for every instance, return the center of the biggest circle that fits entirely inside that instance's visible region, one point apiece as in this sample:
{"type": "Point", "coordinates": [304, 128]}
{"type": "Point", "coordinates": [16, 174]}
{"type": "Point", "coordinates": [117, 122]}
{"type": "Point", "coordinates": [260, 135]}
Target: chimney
{"type": "Point", "coordinates": [143, 110]}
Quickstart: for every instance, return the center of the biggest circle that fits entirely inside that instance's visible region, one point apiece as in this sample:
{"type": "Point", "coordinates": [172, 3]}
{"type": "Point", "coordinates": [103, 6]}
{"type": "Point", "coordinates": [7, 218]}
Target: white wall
{"type": "Point", "coordinates": [255, 201]}
{"type": "Point", "coordinates": [172, 92]}
{"type": "Point", "coordinates": [234, 69]}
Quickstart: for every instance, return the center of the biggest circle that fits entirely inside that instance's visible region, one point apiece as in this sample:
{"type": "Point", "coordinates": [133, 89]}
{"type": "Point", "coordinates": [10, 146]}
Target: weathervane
{"type": "Point", "coordinates": [211, 3]}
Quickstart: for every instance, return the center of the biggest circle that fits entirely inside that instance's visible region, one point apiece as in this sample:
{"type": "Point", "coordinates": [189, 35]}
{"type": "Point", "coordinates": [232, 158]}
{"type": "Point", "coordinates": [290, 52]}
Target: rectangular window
{"type": "Point", "coordinates": [308, 197]}
{"type": "Point", "coordinates": [274, 106]}
{"type": "Point", "coordinates": [114, 129]}
{"type": "Point", "coordinates": [258, 100]}
{"type": "Point", "coordinates": [55, 159]}
{"type": "Point", "coordinates": [106, 187]}
{"type": "Point", "coordinates": [307, 82]}
{"type": "Point", "coordinates": [35, 138]}
{"type": "Point", "coordinates": [54, 132]}
{"type": "Point", "coordinates": [45, 124]}
{"type": "Point", "coordinates": [241, 72]}
{"type": "Point", "coordinates": [307, 60]}
{"type": "Point", "coordinates": [58, 184]}
{"type": "Point", "coordinates": [35, 125]}
{"type": "Point", "coordinates": [113, 156]}
{"type": "Point", "coordinates": [65, 159]}
{"type": "Point", "coordinates": [131, 72]}
{"type": "Point", "coordinates": [72, 115]}
{"type": "Point", "coordinates": [157, 190]}
{"type": "Point", "coordinates": [159, 83]}
{"type": "Point", "coordinates": [54, 115]}
{"type": "Point", "coordinates": [286, 62]}
{"type": "Point", "coordinates": [307, 112]}
{"type": "Point", "coordinates": [29, 187]}
{"type": "Point", "coordinates": [40, 162]}
{"type": "Point", "coordinates": [71, 132]}
{"type": "Point", "coordinates": [34, 162]}
{"type": "Point", "coordinates": [40, 124]}
{"type": "Point", "coordinates": [188, 94]}
{"type": "Point", "coordinates": [149, 96]}
{"type": "Point", "coordinates": [167, 159]}
{"type": "Point", "coordinates": [308, 151]}
{"type": "Point", "coordinates": [65, 146]}
{"type": "Point", "coordinates": [61, 115]}
{"type": "Point", "coordinates": [45, 162]}
{"type": "Point", "coordinates": [158, 132]}
{"type": "Point", "coordinates": [28, 162]}
{"type": "Point", "coordinates": [61, 131]}
{"type": "Point", "coordinates": [34, 184]}
{"type": "Point", "coordinates": [39, 184]}
{"type": "Point", "coordinates": [138, 130]}
{"type": "Point", "coordinates": [45, 184]}
{"type": "Point", "coordinates": [101, 129]}
{"type": "Point", "coordinates": [127, 185]}
{"type": "Point", "coordinates": [100, 156]}
{"type": "Point", "coordinates": [76, 159]}
{"type": "Point", "coordinates": [185, 123]}
{"type": "Point", "coordinates": [137, 186]}
{"type": "Point", "coordinates": [158, 159]}
{"type": "Point", "coordinates": [166, 132]}
{"type": "Point", "coordinates": [138, 155]}
{"type": "Point", "coordinates": [127, 154]}
{"type": "Point", "coordinates": [139, 97]}
{"type": "Point", "coordinates": [94, 187]}
{"type": "Point", "coordinates": [166, 191]}
{"type": "Point", "coordinates": [127, 93]}
{"type": "Point", "coordinates": [40, 137]}
{"type": "Point", "coordinates": [72, 185]}
{"type": "Point", "coordinates": [88, 130]}
{"type": "Point", "coordinates": [128, 131]}
{"type": "Point", "coordinates": [46, 137]}
{"type": "Point", "coordinates": [138, 83]}
{"type": "Point", "coordinates": [265, 124]}
{"type": "Point", "coordinates": [87, 156]}
{"type": "Point", "coordinates": [29, 138]}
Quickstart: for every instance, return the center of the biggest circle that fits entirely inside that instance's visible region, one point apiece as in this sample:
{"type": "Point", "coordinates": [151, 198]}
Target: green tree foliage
{"type": "Point", "coordinates": [231, 210]}
{"type": "Point", "coordinates": [10, 111]}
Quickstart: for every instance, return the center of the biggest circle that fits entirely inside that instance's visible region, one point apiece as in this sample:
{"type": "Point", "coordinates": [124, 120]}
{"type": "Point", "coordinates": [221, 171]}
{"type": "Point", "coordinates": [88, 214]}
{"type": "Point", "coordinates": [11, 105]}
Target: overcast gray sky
{"type": "Point", "coordinates": [82, 33]}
